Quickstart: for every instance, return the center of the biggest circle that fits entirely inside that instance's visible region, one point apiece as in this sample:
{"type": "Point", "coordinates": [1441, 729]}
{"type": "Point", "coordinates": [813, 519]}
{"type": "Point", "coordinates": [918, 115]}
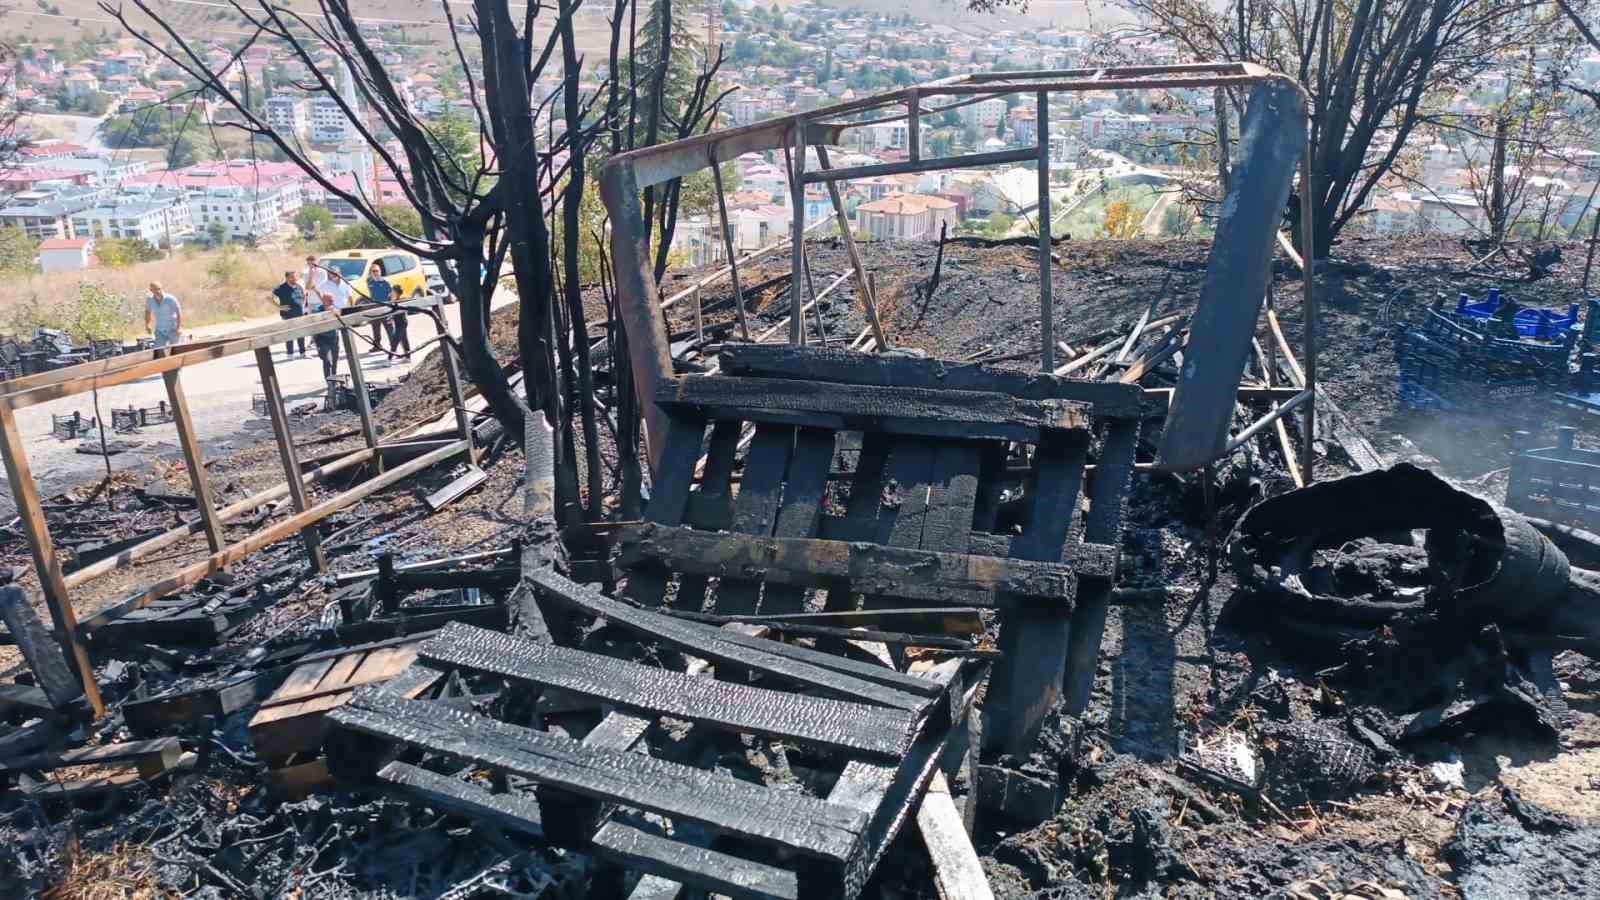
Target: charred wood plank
{"type": "Point", "coordinates": [956, 578]}
{"type": "Point", "coordinates": [669, 496]}
{"type": "Point", "coordinates": [721, 874]}
{"type": "Point", "coordinates": [921, 412]}
{"type": "Point", "coordinates": [39, 647]}
{"type": "Point", "coordinates": [931, 619]}
{"type": "Point", "coordinates": [880, 370]}
{"type": "Point", "coordinates": [816, 721]}
{"type": "Point", "coordinates": [756, 508]}
{"type": "Point", "coordinates": [152, 756]}
{"type": "Point", "coordinates": [801, 512]}
{"type": "Point", "coordinates": [1034, 637]}
{"type": "Point", "coordinates": [704, 642]}
{"type": "Point", "coordinates": [456, 489]}
{"type": "Point", "coordinates": [1107, 510]}
{"type": "Point", "coordinates": [860, 520]}
{"type": "Point", "coordinates": [148, 716]}
{"type": "Point", "coordinates": [712, 506]}
{"type": "Point", "coordinates": [517, 813]}
{"type": "Point", "coordinates": [816, 829]}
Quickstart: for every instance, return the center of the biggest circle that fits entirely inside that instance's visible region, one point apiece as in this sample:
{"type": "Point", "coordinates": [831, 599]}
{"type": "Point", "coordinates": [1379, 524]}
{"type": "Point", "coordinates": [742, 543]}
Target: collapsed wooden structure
{"type": "Point", "coordinates": [393, 460]}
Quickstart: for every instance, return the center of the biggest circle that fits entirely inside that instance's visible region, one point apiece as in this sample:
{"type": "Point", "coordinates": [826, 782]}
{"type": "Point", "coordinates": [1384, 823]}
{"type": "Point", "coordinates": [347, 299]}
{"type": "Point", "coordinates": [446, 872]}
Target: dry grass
{"type": "Point", "coordinates": [215, 286]}
{"type": "Point", "coordinates": [125, 872]}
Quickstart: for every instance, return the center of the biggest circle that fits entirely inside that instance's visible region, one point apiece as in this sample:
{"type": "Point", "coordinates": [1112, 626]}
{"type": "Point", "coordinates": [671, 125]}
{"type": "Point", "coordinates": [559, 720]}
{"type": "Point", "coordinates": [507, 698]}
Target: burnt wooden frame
{"type": "Point", "coordinates": [938, 438]}
{"type": "Point", "coordinates": [168, 362]}
{"type": "Point", "coordinates": [625, 175]}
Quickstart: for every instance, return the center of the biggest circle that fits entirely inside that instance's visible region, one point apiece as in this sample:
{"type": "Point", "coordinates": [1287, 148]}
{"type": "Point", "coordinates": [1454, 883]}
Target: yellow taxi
{"type": "Point", "coordinates": [401, 269]}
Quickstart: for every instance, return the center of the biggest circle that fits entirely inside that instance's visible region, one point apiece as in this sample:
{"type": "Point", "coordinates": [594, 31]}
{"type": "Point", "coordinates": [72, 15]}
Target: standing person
{"type": "Point", "coordinates": [379, 290]}
{"type": "Point", "coordinates": [163, 315]}
{"type": "Point", "coordinates": [339, 290]}
{"type": "Point", "coordinates": [291, 305]}
{"type": "Point", "coordinates": [316, 278]}
{"type": "Point", "coordinates": [327, 341]}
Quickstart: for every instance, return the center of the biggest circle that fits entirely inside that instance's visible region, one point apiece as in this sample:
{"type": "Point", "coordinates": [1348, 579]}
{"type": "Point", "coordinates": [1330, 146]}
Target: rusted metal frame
{"type": "Point", "coordinates": [358, 380]}
{"type": "Point", "coordinates": [108, 373]}
{"type": "Point", "coordinates": [864, 287]}
{"type": "Point", "coordinates": [286, 452]}
{"type": "Point", "coordinates": [1047, 310]}
{"type": "Point", "coordinates": [272, 534]}
{"type": "Point", "coordinates": [965, 101]}
{"type": "Point", "coordinates": [797, 252]}
{"type": "Point", "coordinates": [967, 161]}
{"type": "Point", "coordinates": [1104, 84]}
{"type": "Point", "coordinates": [733, 261]}
{"type": "Point", "coordinates": [1261, 424]}
{"type": "Point", "coordinates": [1223, 68]}
{"type": "Point", "coordinates": [224, 515]}
{"type": "Point", "coordinates": [190, 445]}
{"type": "Point", "coordinates": [45, 563]}
{"type": "Point", "coordinates": [452, 376]}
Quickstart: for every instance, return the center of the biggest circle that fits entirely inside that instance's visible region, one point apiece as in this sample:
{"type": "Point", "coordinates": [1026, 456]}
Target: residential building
{"type": "Point", "coordinates": [757, 226]}
{"type": "Point", "coordinates": [47, 214]}
{"type": "Point", "coordinates": [984, 113]}
{"type": "Point", "coordinates": [159, 216]}
{"type": "Point", "coordinates": [329, 125]}
{"type": "Point", "coordinates": [905, 217]}
{"type": "Point", "coordinates": [287, 113]}
{"type": "Point", "coordinates": [66, 254]}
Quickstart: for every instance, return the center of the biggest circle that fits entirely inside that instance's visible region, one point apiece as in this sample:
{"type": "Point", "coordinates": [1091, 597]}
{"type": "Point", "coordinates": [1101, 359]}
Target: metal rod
{"type": "Point", "coordinates": [797, 253]}
{"type": "Point", "coordinates": [1047, 316]}
{"type": "Point", "coordinates": [971, 160]}
{"type": "Point", "coordinates": [864, 286]}
{"type": "Point", "coordinates": [1308, 248]}
{"type": "Point", "coordinates": [733, 262]}
{"type": "Point", "coordinates": [1261, 424]}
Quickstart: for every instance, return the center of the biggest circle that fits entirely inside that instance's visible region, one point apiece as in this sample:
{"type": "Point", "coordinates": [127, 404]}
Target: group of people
{"type": "Point", "coordinates": [323, 289]}
{"type": "Point", "coordinates": [326, 289]}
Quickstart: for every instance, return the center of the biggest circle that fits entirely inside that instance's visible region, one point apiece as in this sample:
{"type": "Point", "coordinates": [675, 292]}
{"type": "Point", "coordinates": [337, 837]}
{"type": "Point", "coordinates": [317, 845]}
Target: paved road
{"type": "Point", "coordinates": [219, 394]}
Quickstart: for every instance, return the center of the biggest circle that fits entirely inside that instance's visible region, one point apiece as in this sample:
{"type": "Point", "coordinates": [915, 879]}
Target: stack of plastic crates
{"type": "Point", "coordinates": [1560, 483]}
{"type": "Point", "coordinates": [1451, 364]}
{"type": "Point", "coordinates": [1543, 324]}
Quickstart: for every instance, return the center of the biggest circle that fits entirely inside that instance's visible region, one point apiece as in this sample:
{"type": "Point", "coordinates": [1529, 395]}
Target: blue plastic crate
{"type": "Point", "coordinates": [1544, 324]}
{"type": "Point", "coordinates": [1445, 366]}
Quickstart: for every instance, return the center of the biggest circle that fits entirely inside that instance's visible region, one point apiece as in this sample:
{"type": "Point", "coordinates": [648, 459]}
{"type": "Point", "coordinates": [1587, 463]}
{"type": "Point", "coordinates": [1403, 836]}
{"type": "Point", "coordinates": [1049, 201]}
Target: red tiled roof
{"type": "Point", "coordinates": [64, 244]}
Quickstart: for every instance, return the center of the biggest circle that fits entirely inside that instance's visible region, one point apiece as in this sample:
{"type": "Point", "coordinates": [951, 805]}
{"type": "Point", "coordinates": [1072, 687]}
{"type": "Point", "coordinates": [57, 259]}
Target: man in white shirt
{"type": "Point", "coordinates": [338, 289]}
{"type": "Point", "coordinates": [163, 315]}
{"type": "Point", "coordinates": [316, 279]}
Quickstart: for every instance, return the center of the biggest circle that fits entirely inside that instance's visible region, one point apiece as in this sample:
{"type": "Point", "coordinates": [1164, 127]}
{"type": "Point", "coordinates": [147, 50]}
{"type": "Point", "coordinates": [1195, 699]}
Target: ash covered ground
{"type": "Point", "coordinates": [1191, 680]}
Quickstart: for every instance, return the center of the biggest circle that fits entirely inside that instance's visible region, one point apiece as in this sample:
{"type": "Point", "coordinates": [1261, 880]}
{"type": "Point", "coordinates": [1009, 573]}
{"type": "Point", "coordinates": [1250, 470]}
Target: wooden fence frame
{"type": "Point", "coordinates": [169, 362]}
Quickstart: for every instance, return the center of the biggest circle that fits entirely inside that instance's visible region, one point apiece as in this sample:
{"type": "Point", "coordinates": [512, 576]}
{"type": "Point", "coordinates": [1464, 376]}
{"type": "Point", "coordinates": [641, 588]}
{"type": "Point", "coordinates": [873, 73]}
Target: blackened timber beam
{"type": "Point", "coordinates": [705, 642]}
{"type": "Point", "coordinates": [871, 568]}
{"type": "Point", "coordinates": [286, 452]}
{"type": "Point", "coordinates": [816, 829]}
{"type": "Point", "coordinates": [42, 654]}
{"type": "Point", "coordinates": [190, 444]}
{"type": "Point", "coordinates": [358, 381]}
{"type": "Point", "coordinates": [1272, 137]}
{"type": "Point", "coordinates": [458, 398]}
{"type": "Point", "coordinates": [25, 490]}
{"type": "Point", "coordinates": [878, 370]}
{"type": "Point", "coordinates": [816, 721]}
{"type": "Point", "coordinates": [956, 620]}
{"type": "Point", "coordinates": [924, 412]}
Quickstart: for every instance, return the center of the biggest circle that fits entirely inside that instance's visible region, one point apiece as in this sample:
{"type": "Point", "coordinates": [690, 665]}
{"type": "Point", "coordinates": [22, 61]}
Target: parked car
{"type": "Point", "coordinates": [402, 269]}
{"type": "Point", "coordinates": [436, 285]}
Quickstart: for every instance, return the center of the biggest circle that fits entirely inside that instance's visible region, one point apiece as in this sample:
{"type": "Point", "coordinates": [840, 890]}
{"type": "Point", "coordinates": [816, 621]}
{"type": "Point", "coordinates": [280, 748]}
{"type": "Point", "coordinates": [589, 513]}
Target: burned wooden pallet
{"type": "Point", "coordinates": [109, 767]}
{"type": "Point", "coordinates": [185, 619]}
{"type": "Point", "coordinates": [293, 718]}
{"type": "Point", "coordinates": [774, 843]}
{"type": "Point", "coordinates": [928, 449]}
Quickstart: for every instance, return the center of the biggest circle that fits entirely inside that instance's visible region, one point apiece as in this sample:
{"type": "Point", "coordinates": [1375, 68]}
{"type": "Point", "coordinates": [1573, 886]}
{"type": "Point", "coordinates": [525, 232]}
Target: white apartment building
{"type": "Point", "coordinates": [159, 217]}
{"type": "Point", "coordinates": [984, 113]}
{"type": "Point", "coordinates": [243, 211]}
{"type": "Point", "coordinates": [328, 122]}
{"type": "Point", "coordinates": [287, 113]}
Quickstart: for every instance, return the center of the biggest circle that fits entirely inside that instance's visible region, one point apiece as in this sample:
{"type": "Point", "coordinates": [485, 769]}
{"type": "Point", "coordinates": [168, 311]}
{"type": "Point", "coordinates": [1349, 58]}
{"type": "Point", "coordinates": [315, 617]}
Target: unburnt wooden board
{"type": "Point", "coordinates": [293, 718]}
{"type": "Point", "coordinates": [816, 721]}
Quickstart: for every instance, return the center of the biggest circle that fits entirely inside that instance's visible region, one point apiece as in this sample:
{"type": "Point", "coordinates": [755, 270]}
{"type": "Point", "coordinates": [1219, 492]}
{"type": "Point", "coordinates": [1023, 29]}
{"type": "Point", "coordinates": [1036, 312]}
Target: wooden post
{"type": "Point", "coordinates": [727, 241]}
{"type": "Point", "coordinates": [358, 380]}
{"type": "Point", "coordinates": [864, 287]}
{"type": "Point", "coordinates": [45, 564]}
{"type": "Point", "coordinates": [452, 375]}
{"type": "Point", "coordinates": [914, 125]}
{"type": "Point", "coordinates": [797, 252]}
{"type": "Point", "coordinates": [291, 463]}
{"type": "Point", "coordinates": [1047, 329]}
{"type": "Point", "coordinates": [699, 318]}
{"type": "Point", "coordinates": [191, 458]}
{"type": "Point", "coordinates": [1308, 258]}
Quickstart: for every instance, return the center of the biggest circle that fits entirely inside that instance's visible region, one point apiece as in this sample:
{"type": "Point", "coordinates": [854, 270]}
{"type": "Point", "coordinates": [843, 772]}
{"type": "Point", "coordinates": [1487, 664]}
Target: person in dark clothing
{"type": "Point", "coordinates": [328, 341]}
{"type": "Point", "coordinates": [379, 290]}
{"type": "Point", "coordinates": [291, 305]}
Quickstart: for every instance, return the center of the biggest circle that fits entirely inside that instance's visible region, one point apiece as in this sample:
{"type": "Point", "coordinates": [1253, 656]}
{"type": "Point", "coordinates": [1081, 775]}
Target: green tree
{"type": "Point", "coordinates": [216, 234]}
{"type": "Point", "coordinates": [1178, 220]}
{"type": "Point", "coordinates": [313, 220]}
{"type": "Point", "coordinates": [364, 235]}
{"type": "Point", "coordinates": [119, 252]}
{"type": "Point", "coordinates": [18, 252]}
